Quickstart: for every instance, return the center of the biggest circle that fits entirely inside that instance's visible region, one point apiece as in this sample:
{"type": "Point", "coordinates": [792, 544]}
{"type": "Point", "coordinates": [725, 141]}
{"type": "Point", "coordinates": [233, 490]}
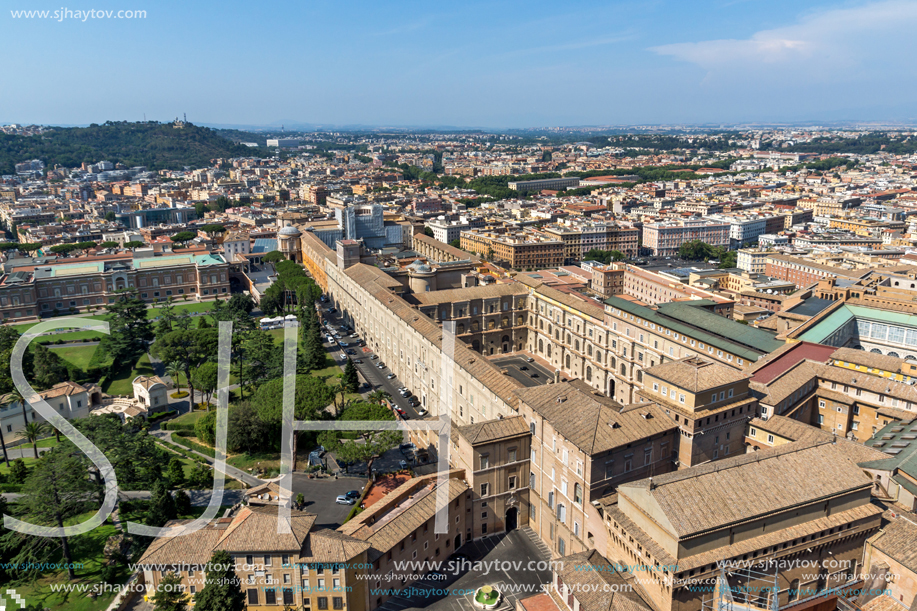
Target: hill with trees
{"type": "Point", "coordinates": [152, 144]}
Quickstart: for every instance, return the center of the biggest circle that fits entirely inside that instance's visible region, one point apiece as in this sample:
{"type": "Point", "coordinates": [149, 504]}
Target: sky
{"type": "Point", "coordinates": [492, 64]}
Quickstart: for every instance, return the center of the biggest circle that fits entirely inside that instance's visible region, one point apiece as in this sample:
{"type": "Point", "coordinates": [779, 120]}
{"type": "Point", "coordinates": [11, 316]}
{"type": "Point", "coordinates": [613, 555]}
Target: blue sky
{"type": "Point", "coordinates": [488, 64]}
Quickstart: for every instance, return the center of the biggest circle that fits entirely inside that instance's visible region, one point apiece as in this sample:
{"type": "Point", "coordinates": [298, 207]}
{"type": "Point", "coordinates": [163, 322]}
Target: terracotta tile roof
{"type": "Point", "coordinates": [254, 529]}
{"type": "Point", "coordinates": [326, 546]}
{"type": "Point", "coordinates": [696, 374]}
{"type": "Point", "coordinates": [62, 389]}
{"type": "Point", "coordinates": [746, 486]}
{"type": "Point", "coordinates": [869, 359]}
{"type": "Point", "coordinates": [594, 423]}
{"type": "Point", "coordinates": [395, 526]}
{"type": "Point", "coordinates": [194, 548]}
{"type": "Point", "coordinates": [597, 585]}
{"type": "Point", "coordinates": [898, 540]}
{"type": "Point", "coordinates": [490, 430]}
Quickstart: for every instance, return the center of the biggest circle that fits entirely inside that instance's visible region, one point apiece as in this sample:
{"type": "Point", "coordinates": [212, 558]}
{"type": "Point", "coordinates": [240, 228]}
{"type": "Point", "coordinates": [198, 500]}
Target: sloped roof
{"type": "Point", "coordinates": [746, 486]}
{"type": "Point", "coordinates": [594, 423]}
{"type": "Point", "coordinates": [696, 373]}
{"type": "Point", "coordinates": [490, 430]}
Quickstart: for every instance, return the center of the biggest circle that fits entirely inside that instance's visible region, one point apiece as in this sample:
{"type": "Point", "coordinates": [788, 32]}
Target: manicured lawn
{"type": "Point", "coordinates": [189, 418]}
{"type": "Point", "coordinates": [179, 307]}
{"type": "Point", "coordinates": [75, 336]}
{"type": "Point", "coordinates": [25, 327]}
{"type": "Point", "coordinates": [28, 460]}
{"type": "Point", "coordinates": [123, 385]}
{"type": "Point", "coordinates": [78, 356]}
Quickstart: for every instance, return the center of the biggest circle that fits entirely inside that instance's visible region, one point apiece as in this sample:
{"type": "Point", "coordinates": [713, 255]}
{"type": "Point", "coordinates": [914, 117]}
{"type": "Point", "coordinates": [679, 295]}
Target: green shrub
{"type": "Point", "coordinates": [181, 438]}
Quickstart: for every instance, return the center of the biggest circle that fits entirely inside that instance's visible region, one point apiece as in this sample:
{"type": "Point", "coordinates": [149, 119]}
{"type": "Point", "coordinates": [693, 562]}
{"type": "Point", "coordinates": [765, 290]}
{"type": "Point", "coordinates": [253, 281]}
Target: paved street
{"type": "Point", "coordinates": [320, 495]}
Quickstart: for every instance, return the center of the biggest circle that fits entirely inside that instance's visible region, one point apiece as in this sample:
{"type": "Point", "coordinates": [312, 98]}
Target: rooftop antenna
{"type": "Point", "coordinates": [186, 117]}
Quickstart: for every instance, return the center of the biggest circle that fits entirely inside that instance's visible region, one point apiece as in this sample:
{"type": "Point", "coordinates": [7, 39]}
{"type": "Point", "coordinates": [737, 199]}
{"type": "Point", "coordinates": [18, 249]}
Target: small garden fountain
{"type": "Point", "coordinates": [487, 597]}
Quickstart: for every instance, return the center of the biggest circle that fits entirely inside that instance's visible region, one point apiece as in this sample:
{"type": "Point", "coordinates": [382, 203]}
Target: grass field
{"type": "Point", "coordinates": [189, 418]}
{"type": "Point", "coordinates": [27, 460]}
{"type": "Point", "coordinates": [122, 385]}
{"type": "Point", "coordinates": [78, 356]}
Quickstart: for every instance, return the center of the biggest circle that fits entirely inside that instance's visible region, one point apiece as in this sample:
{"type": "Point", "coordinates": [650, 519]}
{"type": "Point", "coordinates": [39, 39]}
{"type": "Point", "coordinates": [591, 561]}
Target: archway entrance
{"type": "Point", "coordinates": [611, 387]}
{"type": "Point", "coordinates": [512, 519]}
{"type": "Point", "coordinates": [458, 541]}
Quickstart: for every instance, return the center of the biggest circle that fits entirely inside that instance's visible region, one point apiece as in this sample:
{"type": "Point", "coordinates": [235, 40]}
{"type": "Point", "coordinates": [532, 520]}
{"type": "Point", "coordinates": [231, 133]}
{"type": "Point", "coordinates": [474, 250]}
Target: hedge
{"type": "Point", "coordinates": [180, 437]}
{"type": "Point", "coordinates": [162, 415]}
{"type": "Point", "coordinates": [10, 487]}
{"type": "Point", "coordinates": [177, 426]}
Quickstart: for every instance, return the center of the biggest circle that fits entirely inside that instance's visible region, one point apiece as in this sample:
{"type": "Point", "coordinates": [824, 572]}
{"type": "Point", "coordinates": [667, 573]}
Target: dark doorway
{"type": "Point", "coordinates": [458, 541]}
{"type": "Point", "coordinates": [512, 519]}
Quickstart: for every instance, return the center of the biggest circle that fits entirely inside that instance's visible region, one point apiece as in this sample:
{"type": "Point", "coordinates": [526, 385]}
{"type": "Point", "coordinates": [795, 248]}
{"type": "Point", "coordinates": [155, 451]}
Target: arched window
{"type": "Point", "coordinates": [505, 339]}
{"type": "Point", "coordinates": [541, 325]}
{"type": "Point", "coordinates": [639, 375]}
{"type": "Point", "coordinates": [589, 349]}
{"type": "Point", "coordinates": [588, 374]}
{"type": "Point", "coordinates": [461, 328]}
{"type": "Point", "coordinates": [568, 362]}
{"type": "Point", "coordinates": [491, 324]}
{"type": "Point", "coordinates": [576, 345]}
{"type": "Point", "coordinates": [532, 427]}
{"type": "Point", "coordinates": [520, 321]}
{"type": "Point", "coordinates": [623, 369]}
{"type": "Point", "coordinates": [540, 346]}
{"type": "Point", "coordinates": [549, 350]}
{"type": "Point", "coordinates": [613, 362]}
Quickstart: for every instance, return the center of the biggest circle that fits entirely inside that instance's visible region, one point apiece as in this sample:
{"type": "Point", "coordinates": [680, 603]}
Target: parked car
{"type": "Point", "coordinates": [406, 393]}
{"type": "Point", "coordinates": [523, 368]}
{"type": "Point", "coordinates": [353, 494]}
{"type": "Point", "coordinates": [390, 376]}
{"type": "Point", "coordinates": [406, 447]}
{"type": "Point", "coordinates": [374, 357]}
{"type": "Point", "coordinates": [351, 351]}
{"type": "Point", "coordinates": [359, 362]}
{"type": "Point", "coordinates": [422, 413]}
{"type": "Point", "coordinates": [414, 401]}
{"type": "Point", "coordinates": [344, 500]}
{"type": "Point", "coordinates": [403, 464]}
{"type": "Point", "coordinates": [381, 365]}
{"type": "Point", "coordinates": [534, 374]}
{"type": "Point", "coordinates": [530, 360]}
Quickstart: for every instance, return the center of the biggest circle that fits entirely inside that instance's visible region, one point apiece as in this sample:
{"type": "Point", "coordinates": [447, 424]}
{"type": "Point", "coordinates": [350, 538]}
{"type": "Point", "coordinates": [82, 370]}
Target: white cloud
{"type": "Point", "coordinates": [838, 37]}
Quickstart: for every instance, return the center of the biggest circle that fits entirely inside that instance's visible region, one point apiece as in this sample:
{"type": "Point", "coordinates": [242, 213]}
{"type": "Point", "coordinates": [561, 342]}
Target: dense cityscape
{"type": "Point", "coordinates": [667, 370]}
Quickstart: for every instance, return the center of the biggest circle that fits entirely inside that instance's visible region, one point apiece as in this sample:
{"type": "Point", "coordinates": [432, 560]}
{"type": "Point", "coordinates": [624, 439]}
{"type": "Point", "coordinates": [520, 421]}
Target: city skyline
{"type": "Point", "coordinates": [486, 66]}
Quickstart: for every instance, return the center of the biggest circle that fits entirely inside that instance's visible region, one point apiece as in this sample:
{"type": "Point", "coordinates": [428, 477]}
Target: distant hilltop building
{"type": "Point", "coordinates": [283, 143]}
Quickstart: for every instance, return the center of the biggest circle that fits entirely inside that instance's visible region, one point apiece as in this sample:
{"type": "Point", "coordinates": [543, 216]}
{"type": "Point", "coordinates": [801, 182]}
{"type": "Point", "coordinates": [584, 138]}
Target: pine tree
{"type": "Point", "coordinates": [222, 589]}
{"type": "Point", "coordinates": [350, 381]}
{"type": "Point", "coordinates": [175, 472]}
{"type": "Point", "coordinates": [313, 350]}
{"type": "Point", "coordinates": [182, 503]}
{"type": "Point", "coordinates": [169, 596]}
{"type": "Point", "coordinates": [162, 505]}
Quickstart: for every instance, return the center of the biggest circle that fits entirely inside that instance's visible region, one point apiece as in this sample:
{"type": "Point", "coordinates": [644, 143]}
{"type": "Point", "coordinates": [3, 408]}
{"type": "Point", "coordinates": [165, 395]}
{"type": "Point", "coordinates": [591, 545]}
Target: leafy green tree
{"type": "Point", "coordinates": [182, 503]}
{"type": "Point", "coordinates": [312, 396]}
{"type": "Point", "coordinates": [166, 317]}
{"type": "Point", "coordinates": [222, 589]}
{"type": "Point", "coordinates": [373, 443]}
{"type": "Point", "coordinates": [162, 505]}
{"type": "Point", "coordinates": [175, 472]}
{"type": "Point", "coordinates": [55, 492]}
{"type": "Point", "coordinates": [169, 595]}
{"type": "Point", "coordinates": [138, 462]}
{"type": "Point", "coordinates": [189, 347]}
{"type": "Point", "coordinates": [428, 231]}
{"type": "Point", "coordinates": [205, 428]}
{"type": "Point", "coordinates": [456, 243]}
{"type": "Point", "coordinates": [110, 216]}
{"type": "Point", "coordinates": [201, 477]}
{"type": "Point", "coordinates": [259, 358]}
{"type": "Point", "coordinates": [183, 236]}
{"type": "Point", "coordinates": [314, 355]}
{"type": "Point", "coordinates": [47, 368]}
{"type": "Point", "coordinates": [274, 256]}
{"type": "Point", "coordinates": [213, 228]}
{"type": "Point", "coordinates": [18, 471]}
{"type": "Point", "coordinates": [350, 381]}
{"type": "Point", "coordinates": [130, 329]}
{"type": "Point", "coordinates": [246, 431]}
{"type": "Point", "coordinates": [205, 380]}
{"type": "Point", "coordinates": [133, 244]}
{"type": "Point", "coordinates": [109, 244]}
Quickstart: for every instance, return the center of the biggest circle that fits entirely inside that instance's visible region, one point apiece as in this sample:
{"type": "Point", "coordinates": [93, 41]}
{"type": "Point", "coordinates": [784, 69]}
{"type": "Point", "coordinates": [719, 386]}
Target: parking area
{"type": "Point", "coordinates": [515, 563]}
{"type": "Point", "coordinates": [321, 494]}
{"type": "Point", "coordinates": [528, 374]}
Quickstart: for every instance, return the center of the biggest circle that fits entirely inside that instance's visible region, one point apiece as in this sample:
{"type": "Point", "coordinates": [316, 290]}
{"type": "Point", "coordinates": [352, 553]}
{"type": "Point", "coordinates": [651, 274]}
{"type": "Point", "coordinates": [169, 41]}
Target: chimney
{"type": "Point", "coordinates": [557, 376]}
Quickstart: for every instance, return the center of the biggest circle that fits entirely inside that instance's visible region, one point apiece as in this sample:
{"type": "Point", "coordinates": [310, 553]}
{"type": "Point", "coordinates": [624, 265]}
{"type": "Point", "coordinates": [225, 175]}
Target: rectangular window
{"type": "Point", "coordinates": [252, 596]}
{"type": "Point", "coordinates": [270, 597]}
{"type": "Point", "coordinates": [322, 602]}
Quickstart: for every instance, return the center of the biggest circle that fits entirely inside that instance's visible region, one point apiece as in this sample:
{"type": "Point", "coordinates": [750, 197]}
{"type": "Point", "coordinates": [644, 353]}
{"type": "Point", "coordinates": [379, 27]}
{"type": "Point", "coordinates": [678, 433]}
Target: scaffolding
{"type": "Point", "coordinates": [743, 589]}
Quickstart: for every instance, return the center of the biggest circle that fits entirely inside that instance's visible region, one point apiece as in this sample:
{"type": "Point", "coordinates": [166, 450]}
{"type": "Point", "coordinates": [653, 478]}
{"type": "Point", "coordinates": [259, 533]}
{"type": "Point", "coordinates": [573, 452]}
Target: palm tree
{"type": "Point", "coordinates": [173, 370]}
{"type": "Point", "coordinates": [33, 431]}
{"type": "Point", "coordinates": [377, 396]}
{"type": "Point", "coordinates": [6, 458]}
